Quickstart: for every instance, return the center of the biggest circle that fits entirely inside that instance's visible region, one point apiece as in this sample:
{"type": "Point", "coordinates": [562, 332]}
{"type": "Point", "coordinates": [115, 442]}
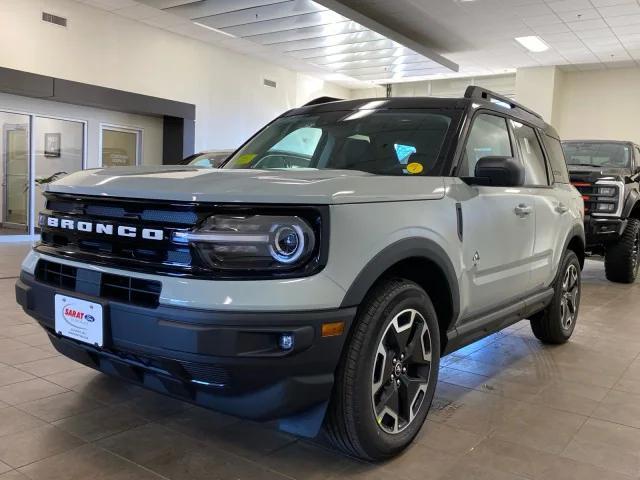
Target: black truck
{"type": "Point", "coordinates": [607, 173]}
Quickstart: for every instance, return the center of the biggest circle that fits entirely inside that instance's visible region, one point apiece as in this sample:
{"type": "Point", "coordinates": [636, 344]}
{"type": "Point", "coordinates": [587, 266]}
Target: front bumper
{"type": "Point", "coordinates": [227, 361]}
{"type": "Point", "coordinates": [600, 231]}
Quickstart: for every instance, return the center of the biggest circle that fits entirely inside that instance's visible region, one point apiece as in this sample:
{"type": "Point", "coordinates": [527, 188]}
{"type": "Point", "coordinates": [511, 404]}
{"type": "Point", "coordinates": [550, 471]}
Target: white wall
{"type": "Point", "coordinates": [446, 87]}
{"type": "Point", "coordinates": [601, 104]}
{"type": "Point", "coordinates": [108, 50]}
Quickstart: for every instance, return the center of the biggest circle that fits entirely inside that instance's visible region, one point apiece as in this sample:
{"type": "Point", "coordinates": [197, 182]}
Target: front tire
{"type": "Point", "coordinates": [555, 324]}
{"type": "Point", "coordinates": [622, 259]}
{"type": "Point", "coordinates": [388, 374]}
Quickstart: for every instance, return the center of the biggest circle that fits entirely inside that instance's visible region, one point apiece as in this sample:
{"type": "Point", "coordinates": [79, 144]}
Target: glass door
{"type": "Point", "coordinates": [121, 147]}
{"type": "Point", "coordinates": [14, 173]}
{"type": "Point", "coordinates": [59, 151]}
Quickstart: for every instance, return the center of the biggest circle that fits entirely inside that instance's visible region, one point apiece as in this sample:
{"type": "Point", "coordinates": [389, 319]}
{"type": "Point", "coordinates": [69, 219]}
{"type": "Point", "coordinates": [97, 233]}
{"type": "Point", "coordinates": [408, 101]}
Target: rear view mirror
{"type": "Point", "coordinates": [499, 172]}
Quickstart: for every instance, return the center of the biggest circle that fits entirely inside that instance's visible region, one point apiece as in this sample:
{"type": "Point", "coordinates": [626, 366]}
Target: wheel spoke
{"type": "Point", "coordinates": [389, 400]}
{"type": "Point", "coordinates": [409, 389]}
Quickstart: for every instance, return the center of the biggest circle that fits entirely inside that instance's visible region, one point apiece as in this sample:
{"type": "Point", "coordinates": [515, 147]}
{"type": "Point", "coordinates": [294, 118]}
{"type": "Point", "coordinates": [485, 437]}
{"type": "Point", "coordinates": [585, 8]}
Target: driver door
{"type": "Point", "coordinates": [499, 225]}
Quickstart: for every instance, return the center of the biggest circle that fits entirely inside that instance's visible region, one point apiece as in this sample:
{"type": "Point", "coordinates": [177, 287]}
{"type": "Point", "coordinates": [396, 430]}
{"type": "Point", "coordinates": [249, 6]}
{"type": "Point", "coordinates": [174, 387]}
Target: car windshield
{"type": "Point", "coordinates": [206, 160]}
{"type": "Point", "coordinates": [597, 154]}
{"type": "Point", "coordinates": [383, 142]}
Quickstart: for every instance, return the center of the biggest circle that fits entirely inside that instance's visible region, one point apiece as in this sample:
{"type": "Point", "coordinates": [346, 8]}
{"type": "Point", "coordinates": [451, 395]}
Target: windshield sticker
{"type": "Point", "coordinates": [245, 159]}
{"type": "Point", "coordinates": [415, 168]}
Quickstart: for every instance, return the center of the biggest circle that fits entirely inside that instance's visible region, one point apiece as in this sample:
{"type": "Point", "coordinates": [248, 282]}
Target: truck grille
{"type": "Point", "coordinates": [119, 288]}
{"type": "Point", "coordinates": [588, 192]}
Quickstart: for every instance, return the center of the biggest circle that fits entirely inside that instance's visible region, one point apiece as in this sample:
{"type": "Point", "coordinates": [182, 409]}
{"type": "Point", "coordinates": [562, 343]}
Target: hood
{"type": "Point", "coordinates": [591, 174]}
{"type": "Point", "coordinates": [183, 183]}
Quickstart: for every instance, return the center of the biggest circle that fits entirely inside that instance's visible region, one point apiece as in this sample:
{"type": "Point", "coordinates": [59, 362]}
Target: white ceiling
{"type": "Point", "coordinates": [299, 34]}
{"type": "Point", "coordinates": [479, 34]}
{"type": "Point", "coordinates": [476, 34]}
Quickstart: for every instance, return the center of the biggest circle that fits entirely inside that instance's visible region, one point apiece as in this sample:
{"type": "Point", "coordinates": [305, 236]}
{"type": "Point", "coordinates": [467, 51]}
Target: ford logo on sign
{"type": "Point", "coordinates": [89, 318]}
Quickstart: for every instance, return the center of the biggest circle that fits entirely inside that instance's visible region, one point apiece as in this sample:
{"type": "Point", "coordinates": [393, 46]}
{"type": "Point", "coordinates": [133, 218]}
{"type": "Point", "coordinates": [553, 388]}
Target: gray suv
{"type": "Point", "coordinates": [318, 277]}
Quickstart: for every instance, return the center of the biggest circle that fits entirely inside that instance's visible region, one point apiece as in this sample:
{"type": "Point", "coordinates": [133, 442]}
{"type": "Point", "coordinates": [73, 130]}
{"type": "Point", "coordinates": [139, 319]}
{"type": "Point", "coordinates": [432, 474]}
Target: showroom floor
{"type": "Point", "coordinates": [506, 408]}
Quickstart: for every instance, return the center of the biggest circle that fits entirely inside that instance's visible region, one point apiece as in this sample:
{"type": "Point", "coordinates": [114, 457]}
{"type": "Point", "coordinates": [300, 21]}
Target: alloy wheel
{"type": "Point", "coordinates": [570, 297]}
{"type": "Point", "coordinates": [401, 371]}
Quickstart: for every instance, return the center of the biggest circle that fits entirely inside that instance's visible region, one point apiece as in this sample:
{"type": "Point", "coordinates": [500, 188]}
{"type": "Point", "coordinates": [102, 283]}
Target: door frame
{"type": "Point", "coordinates": [139, 131]}
{"type": "Point", "coordinates": [31, 214]}
{"type": "Point", "coordinates": [4, 169]}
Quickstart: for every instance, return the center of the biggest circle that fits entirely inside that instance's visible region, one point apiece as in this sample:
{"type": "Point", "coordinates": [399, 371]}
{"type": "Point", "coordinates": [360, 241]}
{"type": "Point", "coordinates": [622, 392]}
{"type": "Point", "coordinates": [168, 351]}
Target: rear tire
{"type": "Point", "coordinates": [388, 373]}
{"type": "Point", "coordinates": [621, 258]}
{"type": "Point", "coordinates": [555, 324]}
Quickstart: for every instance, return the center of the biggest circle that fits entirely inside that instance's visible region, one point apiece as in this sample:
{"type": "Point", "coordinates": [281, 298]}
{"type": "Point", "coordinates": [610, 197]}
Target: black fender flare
{"type": "Point", "coordinates": [630, 202]}
{"type": "Point", "coordinates": [411, 247]}
{"type": "Point", "coordinates": [576, 231]}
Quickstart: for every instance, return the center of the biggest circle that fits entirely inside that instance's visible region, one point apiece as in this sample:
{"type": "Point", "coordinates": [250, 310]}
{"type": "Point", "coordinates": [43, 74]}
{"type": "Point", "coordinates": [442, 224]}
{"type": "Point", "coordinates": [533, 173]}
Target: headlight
{"type": "Point", "coordinates": [607, 191]}
{"type": "Point", "coordinates": [252, 242]}
{"type": "Point", "coordinates": [607, 198]}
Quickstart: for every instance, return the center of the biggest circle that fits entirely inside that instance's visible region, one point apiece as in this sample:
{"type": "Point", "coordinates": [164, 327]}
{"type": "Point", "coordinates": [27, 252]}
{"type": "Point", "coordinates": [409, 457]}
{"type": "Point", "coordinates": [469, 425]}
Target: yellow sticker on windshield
{"type": "Point", "coordinates": [245, 159]}
{"type": "Point", "coordinates": [414, 168]}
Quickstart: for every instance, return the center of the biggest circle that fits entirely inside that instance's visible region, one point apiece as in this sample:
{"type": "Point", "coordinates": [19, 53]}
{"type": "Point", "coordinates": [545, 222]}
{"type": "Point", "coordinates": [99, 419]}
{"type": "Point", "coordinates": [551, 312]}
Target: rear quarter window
{"type": "Point", "coordinates": [556, 159]}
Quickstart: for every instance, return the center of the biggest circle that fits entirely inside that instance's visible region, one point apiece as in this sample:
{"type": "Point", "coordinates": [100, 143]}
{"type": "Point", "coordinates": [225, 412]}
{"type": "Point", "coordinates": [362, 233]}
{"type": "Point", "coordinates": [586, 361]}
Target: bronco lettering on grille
{"type": "Point", "coordinates": [104, 228]}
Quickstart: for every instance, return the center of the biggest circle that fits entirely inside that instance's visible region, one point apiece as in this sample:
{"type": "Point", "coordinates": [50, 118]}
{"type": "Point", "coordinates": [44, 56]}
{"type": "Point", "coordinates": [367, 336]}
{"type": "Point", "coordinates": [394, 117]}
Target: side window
{"type": "Point", "coordinates": [489, 136]}
{"type": "Point", "coordinates": [302, 141]}
{"type": "Point", "coordinates": [637, 162]}
{"type": "Point", "coordinates": [531, 154]}
{"type": "Point", "coordinates": [556, 159]}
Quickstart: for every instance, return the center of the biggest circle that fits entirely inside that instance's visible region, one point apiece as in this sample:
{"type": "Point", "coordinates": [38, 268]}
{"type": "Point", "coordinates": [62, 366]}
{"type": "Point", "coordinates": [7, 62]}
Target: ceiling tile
{"type": "Point", "coordinates": [608, 3]}
{"type": "Point", "coordinates": [535, 21]}
{"type": "Point", "coordinates": [551, 28]}
{"type": "Point", "coordinates": [138, 12]}
{"type": "Point", "coordinates": [619, 10]}
{"type": "Point", "coordinates": [164, 20]}
{"type": "Point", "coordinates": [580, 15]}
{"type": "Point", "coordinates": [569, 5]}
{"type": "Point", "coordinates": [623, 20]}
{"type": "Point", "coordinates": [588, 25]}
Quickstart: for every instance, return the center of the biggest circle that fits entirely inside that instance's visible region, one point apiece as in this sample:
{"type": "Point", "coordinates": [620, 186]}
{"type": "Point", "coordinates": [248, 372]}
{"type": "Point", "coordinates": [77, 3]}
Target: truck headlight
{"type": "Point", "coordinates": [607, 198]}
{"type": "Point", "coordinates": [252, 242]}
{"type": "Point", "coordinates": [607, 191]}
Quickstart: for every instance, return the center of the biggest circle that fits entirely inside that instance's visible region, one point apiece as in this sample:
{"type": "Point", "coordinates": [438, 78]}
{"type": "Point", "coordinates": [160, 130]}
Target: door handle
{"type": "Point", "coordinates": [562, 208]}
{"type": "Point", "coordinates": [523, 210]}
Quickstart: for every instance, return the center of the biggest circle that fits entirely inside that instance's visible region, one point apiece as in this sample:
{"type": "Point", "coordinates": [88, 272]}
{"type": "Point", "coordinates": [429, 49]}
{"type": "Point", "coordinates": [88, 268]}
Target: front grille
{"type": "Point", "coordinates": [119, 288]}
{"type": "Point", "coordinates": [134, 253]}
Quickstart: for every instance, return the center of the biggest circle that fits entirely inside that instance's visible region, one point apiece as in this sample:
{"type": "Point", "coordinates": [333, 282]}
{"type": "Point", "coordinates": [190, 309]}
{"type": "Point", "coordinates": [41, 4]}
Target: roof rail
{"type": "Point", "coordinates": [320, 100]}
{"type": "Point", "coordinates": [482, 93]}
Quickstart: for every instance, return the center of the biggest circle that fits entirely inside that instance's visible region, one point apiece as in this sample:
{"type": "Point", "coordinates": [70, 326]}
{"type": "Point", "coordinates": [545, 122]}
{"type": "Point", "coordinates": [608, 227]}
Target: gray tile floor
{"type": "Point", "coordinates": [506, 408]}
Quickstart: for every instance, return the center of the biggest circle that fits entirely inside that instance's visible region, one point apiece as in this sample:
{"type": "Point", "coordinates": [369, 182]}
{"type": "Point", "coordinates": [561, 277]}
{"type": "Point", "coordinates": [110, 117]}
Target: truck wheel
{"type": "Point", "coordinates": [388, 373]}
{"type": "Point", "coordinates": [555, 323]}
{"type": "Point", "coordinates": [621, 258]}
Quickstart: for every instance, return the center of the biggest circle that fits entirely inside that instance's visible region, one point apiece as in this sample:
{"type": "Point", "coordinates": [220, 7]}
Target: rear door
{"type": "Point", "coordinates": [499, 225]}
{"type": "Point", "coordinates": [555, 200]}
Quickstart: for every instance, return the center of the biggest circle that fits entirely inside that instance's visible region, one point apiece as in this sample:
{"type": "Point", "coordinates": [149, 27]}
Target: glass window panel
{"type": "Point", "coordinates": [119, 147]}
{"type": "Point", "coordinates": [531, 154]}
{"type": "Point", "coordinates": [489, 137]}
{"type": "Point", "coordinates": [59, 146]}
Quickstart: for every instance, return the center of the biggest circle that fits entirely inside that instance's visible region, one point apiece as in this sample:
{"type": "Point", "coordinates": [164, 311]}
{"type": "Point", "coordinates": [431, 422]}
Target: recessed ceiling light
{"type": "Point", "coordinates": [533, 43]}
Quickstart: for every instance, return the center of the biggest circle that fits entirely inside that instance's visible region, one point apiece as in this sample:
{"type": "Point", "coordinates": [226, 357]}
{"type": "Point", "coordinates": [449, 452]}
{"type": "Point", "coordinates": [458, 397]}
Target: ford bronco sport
{"type": "Point", "coordinates": [323, 287]}
{"type": "Point", "coordinates": [607, 173]}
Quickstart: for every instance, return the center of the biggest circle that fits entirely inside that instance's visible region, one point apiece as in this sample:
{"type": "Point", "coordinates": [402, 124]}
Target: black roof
{"type": "Point", "coordinates": [475, 97]}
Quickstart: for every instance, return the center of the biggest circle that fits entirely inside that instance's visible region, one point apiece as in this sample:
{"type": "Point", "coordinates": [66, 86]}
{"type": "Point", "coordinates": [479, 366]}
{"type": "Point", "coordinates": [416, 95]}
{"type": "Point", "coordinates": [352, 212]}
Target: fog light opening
{"type": "Point", "coordinates": [286, 341]}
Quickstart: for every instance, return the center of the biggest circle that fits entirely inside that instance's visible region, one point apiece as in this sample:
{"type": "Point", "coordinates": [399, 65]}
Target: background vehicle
{"type": "Point", "coordinates": [606, 174]}
{"type": "Point", "coordinates": [323, 294]}
{"type": "Point", "coordinates": [207, 159]}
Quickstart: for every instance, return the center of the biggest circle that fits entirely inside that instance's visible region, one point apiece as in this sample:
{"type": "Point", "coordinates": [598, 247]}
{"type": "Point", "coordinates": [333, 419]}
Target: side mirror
{"type": "Point", "coordinates": [499, 172]}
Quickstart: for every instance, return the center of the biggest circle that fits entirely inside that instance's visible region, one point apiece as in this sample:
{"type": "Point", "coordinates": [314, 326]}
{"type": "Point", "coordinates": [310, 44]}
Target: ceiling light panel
{"type": "Point", "coordinates": [533, 44]}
